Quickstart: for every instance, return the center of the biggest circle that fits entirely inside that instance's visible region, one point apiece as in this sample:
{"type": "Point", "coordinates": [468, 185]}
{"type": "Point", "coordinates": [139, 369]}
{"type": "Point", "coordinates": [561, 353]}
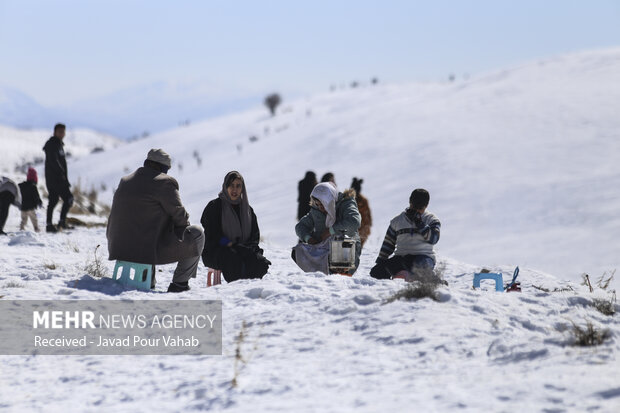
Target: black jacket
{"type": "Point", "coordinates": [30, 196]}
{"type": "Point", "coordinates": [305, 188]}
{"type": "Point", "coordinates": [55, 165]}
{"type": "Point", "coordinates": [212, 223]}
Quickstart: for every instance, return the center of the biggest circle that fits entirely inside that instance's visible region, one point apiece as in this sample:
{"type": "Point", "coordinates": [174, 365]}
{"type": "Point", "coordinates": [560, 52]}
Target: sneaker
{"type": "Point", "coordinates": [51, 228]}
{"type": "Point", "coordinates": [178, 287]}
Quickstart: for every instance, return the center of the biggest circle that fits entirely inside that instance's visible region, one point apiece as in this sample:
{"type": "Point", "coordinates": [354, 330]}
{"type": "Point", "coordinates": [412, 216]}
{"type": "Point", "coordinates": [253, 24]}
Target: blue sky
{"type": "Point", "coordinates": [62, 51]}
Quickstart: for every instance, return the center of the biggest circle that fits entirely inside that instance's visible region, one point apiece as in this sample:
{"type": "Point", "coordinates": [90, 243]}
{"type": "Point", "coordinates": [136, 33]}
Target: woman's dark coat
{"type": "Point", "coordinates": [243, 259]}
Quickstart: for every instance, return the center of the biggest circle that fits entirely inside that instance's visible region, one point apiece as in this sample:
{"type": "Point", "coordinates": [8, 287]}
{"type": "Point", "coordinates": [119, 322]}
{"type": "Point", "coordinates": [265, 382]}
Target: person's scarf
{"type": "Point", "coordinates": [328, 195]}
{"type": "Point", "coordinates": [236, 228]}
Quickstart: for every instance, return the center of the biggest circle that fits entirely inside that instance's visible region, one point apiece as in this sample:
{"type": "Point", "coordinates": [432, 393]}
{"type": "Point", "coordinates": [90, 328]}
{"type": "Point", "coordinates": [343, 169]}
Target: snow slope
{"type": "Point", "coordinates": [521, 164]}
{"type": "Point", "coordinates": [500, 178]}
{"type": "Point", "coordinates": [22, 146]}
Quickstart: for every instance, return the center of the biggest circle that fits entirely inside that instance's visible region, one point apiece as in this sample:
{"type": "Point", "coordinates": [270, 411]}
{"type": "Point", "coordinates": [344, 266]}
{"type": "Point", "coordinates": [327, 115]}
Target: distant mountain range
{"type": "Point", "coordinates": [129, 113]}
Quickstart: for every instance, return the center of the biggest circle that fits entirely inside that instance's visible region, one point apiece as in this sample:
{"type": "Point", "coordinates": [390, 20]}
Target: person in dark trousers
{"type": "Point", "coordinates": [232, 233]}
{"type": "Point", "coordinates": [305, 187]}
{"type": "Point", "coordinates": [30, 200]}
{"type": "Point", "coordinates": [329, 177]}
{"type": "Point", "coordinates": [149, 225]}
{"type": "Point", "coordinates": [9, 195]}
{"type": "Point", "coordinates": [411, 237]}
{"type": "Point", "coordinates": [364, 208]}
{"type": "Point", "coordinates": [56, 179]}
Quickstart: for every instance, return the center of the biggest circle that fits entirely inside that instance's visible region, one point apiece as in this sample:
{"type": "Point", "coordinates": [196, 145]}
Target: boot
{"type": "Point", "coordinates": [178, 287]}
{"type": "Point", "coordinates": [51, 228]}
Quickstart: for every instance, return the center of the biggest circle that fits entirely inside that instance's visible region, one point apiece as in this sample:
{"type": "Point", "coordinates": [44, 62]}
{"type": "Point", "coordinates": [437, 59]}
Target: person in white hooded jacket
{"type": "Point", "coordinates": [331, 212]}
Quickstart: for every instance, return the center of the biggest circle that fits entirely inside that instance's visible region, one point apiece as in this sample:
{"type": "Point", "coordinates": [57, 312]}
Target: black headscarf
{"type": "Point", "coordinates": [236, 228]}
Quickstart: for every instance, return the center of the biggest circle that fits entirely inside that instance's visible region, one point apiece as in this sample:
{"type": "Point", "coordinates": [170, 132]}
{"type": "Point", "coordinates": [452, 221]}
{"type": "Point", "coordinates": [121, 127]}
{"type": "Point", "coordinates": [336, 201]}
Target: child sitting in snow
{"type": "Point", "coordinates": [30, 200]}
{"type": "Point", "coordinates": [412, 234]}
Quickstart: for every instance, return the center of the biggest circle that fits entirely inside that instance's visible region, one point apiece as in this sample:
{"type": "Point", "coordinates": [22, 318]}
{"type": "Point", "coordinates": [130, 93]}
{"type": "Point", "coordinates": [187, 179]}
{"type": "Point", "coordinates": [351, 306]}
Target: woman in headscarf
{"type": "Point", "coordinates": [331, 213]}
{"type": "Point", "coordinates": [232, 233]}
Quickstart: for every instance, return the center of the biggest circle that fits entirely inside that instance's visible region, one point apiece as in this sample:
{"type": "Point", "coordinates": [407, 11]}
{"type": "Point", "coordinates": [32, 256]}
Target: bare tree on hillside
{"type": "Point", "coordinates": [272, 102]}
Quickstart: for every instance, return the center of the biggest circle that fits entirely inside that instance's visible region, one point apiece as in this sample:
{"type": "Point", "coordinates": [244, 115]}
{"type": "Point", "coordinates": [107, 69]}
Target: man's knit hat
{"type": "Point", "coordinates": [159, 156]}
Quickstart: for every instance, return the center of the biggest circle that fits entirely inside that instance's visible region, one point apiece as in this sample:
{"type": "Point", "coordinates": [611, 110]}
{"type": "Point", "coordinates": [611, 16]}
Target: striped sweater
{"type": "Point", "coordinates": [407, 236]}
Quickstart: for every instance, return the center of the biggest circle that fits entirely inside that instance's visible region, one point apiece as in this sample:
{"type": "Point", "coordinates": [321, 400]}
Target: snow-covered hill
{"type": "Point", "coordinates": [25, 146]}
{"type": "Point", "coordinates": [522, 169]}
{"type": "Point", "coordinates": [522, 164]}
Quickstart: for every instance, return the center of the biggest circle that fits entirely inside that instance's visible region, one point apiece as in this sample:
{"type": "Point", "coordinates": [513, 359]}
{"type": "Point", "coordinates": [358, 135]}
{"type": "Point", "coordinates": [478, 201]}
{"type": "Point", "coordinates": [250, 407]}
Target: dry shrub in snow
{"type": "Point", "coordinates": [241, 360]}
{"type": "Point", "coordinates": [96, 268]}
{"type": "Point", "coordinates": [415, 291]}
{"type": "Point", "coordinates": [605, 279]}
{"type": "Point", "coordinates": [590, 335]}
{"type": "Point", "coordinates": [605, 306]}
{"type": "Point", "coordinates": [423, 285]}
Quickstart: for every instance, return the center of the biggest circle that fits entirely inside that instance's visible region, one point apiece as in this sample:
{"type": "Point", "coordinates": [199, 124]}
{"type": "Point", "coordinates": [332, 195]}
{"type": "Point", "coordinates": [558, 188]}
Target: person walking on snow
{"type": "Point", "coordinates": [331, 213]}
{"type": "Point", "coordinates": [411, 237]}
{"type": "Point", "coordinates": [364, 208]}
{"type": "Point", "coordinates": [148, 223]}
{"type": "Point", "coordinates": [56, 179]}
{"type": "Point", "coordinates": [232, 233]}
{"type": "Point", "coordinates": [9, 194]}
{"type": "Point", "coordinates": [30, 200]}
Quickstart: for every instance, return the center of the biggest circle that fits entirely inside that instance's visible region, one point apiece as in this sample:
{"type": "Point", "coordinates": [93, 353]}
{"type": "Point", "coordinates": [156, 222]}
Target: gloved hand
{"type": "Point", "coordinates": [225, 242]}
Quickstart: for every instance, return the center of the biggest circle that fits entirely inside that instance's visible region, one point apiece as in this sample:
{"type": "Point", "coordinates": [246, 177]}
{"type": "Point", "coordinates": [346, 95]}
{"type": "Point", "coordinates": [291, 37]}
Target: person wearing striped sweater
{"type": "Point", "coordinates": [410, 237]}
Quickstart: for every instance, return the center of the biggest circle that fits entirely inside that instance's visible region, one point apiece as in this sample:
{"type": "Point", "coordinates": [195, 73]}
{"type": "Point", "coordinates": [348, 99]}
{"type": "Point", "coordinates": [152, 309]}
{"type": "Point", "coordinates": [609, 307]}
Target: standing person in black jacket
{"type": "Point", "coordinates": [232, 234]}
{"type": "Point", "coordinates": [305, 187]}
{"type": "Point", "coordinates": [56, 178]}
{"type": "Point", "coordinates": [30, 200]}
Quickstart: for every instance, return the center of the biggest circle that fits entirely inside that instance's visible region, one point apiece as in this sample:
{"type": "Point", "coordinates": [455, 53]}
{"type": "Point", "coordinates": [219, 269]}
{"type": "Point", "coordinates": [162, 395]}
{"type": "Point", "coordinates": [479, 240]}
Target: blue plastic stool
{"type": "Point", "coordinates": [499, 282]}
{"type": "Point", "coordinates": [133, 274]}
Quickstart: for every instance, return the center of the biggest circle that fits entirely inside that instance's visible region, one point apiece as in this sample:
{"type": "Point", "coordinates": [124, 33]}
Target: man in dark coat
{"type": "Point", "coordinates": [56, 178]}
{"type": "Point", "coordinates": [148, 223]}
{"type": "Point", "coordinates": [305, 187]}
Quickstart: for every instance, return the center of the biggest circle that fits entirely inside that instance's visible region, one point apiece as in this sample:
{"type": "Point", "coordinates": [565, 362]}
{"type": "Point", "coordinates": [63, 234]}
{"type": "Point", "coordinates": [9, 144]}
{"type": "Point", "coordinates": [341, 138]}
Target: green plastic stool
{"type": "Point", "coordinates": [133, 274]}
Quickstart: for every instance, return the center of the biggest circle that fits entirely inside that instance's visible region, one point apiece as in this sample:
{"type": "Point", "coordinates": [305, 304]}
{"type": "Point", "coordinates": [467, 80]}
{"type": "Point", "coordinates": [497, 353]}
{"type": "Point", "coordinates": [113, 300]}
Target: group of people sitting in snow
{"type": "Point", "coordinates": [148, 224]}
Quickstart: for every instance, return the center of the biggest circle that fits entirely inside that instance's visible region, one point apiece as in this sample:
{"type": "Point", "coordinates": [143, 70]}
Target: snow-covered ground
{"type": "Point", "coordinates": [321, 343]}
{"type": "Point", "coordinates": [23, 146]}
{"type": "Point", "coordinates": [522, 169]}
